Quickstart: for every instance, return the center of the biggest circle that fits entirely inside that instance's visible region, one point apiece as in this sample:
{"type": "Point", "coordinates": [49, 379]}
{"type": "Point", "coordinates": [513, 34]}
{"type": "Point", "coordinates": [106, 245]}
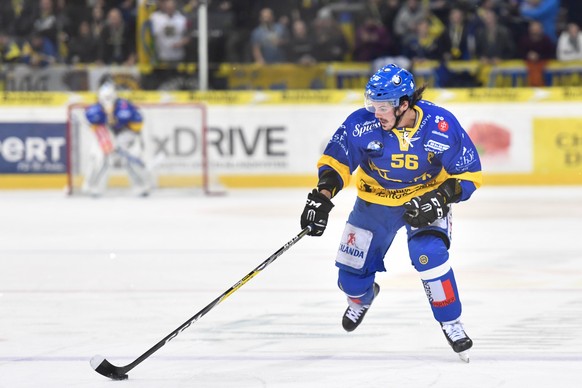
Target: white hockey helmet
{"type": "Point", "coordinates": [107, 95]}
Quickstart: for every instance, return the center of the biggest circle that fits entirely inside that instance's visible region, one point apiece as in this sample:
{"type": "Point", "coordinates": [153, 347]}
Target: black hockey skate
{"type": "Point", "coordinates": [353, 317]}
{"type": "Point", "coordinates": [457, 338]}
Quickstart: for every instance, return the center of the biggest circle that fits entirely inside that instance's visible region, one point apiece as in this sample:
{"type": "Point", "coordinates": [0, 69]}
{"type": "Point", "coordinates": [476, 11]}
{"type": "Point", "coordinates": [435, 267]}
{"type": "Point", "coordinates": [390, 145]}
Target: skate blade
{"type": "Point", "coordinates": [464, 356]}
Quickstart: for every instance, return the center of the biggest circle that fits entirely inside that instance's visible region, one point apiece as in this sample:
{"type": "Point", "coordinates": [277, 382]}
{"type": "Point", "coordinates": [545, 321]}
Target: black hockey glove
{"type": "Point", "coordinates": [426, 209]}
{"type": "Point", "coordinates": [429, 207]}
{"type": "Point", "coordinates": [316, 212]}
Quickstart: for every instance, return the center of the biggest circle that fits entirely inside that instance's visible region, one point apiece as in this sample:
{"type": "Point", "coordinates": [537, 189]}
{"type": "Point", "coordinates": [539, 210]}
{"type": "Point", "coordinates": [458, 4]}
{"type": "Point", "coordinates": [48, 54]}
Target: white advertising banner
{"type": "Point", "coordinates": [287, 139]}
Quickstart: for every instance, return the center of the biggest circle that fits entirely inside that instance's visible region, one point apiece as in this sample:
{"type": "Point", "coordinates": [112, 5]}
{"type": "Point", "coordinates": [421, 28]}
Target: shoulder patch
{"type": "Point", "coordinates": [443, 126]}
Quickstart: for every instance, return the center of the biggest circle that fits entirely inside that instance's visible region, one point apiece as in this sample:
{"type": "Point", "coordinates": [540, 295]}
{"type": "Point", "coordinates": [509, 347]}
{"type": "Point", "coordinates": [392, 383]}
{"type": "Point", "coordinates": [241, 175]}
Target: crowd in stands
{"type": "Point", "coordinates": [44, 32]}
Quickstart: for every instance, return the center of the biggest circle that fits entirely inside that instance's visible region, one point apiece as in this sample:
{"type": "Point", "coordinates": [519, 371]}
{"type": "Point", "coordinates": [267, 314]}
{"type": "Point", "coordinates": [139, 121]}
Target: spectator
{"type": "Point", "coordinates": [116, 42]}
{"type": "Point", "coordinates": [456, 42]}
{"type": "Point", "coordinates": [9, 50]}
{"type": "Point", "coordinates": [128, 10]}
{"type": "Point", "coordinates": [421, 46]}
{"type": "Point", "coordinates": [72, 13]}
{"type": "Point", "coordinates": [372, 41]}
{"type": "Point", "coordinates": [97, 21]}
{"type": "Point", "coordinates": [46, 21]}
{"type": "Point", "coordinates": [39, 51]}
{"type": "Point", "coordinates": [330, 43]}
{"type": "Point", "coordinates": [536, 48]}
{"type": "Point", "coordinates": [300, 47]}
{"type": "Point", "coordinates": [570, 44]}
{"type": "Point", "coordinates": [493, 41]}
{"type": "Point", "coordinates": [25, 17]}
{"type": "Point", "coordinates": [371, 8]}
{"type": "Point", "coordinates": [536, 44]}
{"type": "Point", "coordinates": [268, 39]}
{"type": "Point", "coordinates": [407, 18]}
{"type": "Point", "coordinates": [63, 27]}
{"type": "Point", "coordinates": [83, 46]}
{"type": "Point", "coordinates": [170, 34]}
{"type": "Point", "coordinates": [440, 8]}
{"type": "Point", "coordinates": [221, 20]}
{"type": "Point", "coordinates": [543, 11]}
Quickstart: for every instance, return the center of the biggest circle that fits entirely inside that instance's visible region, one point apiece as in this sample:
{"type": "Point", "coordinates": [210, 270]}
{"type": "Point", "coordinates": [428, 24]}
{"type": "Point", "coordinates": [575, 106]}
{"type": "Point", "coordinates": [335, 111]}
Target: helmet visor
{"type": "Point", "coordinates": [380, 106]}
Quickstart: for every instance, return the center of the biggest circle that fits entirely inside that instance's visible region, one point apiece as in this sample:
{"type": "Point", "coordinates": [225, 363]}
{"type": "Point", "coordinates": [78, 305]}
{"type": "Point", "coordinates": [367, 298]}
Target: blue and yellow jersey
{"type": "Point", "coordinates": [10, 53]}
{"type": "Point", "coordinates": [125, 115]}
{"type": "Point", "coordinates": [397, 165]}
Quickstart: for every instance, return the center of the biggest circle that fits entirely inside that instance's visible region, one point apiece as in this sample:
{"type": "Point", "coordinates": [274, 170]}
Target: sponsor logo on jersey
{"type": "Point", "coordinates": [425, 120]}
{"type": "Point", "coordinates": [440, 134]}
{"type": "Point", "coordinates": [124, 114]}
{"type": "Point", "coordinates": [354, 246]}
{"type": "Point", "coordinates": [375, 146]}
{"type": "Point", "coordinates": [442, 125]}
{"type": "Point", "coordinates": [406, 192]}
{"type": "Point", "coordinates": [405, 140]}
{"type": "Point", "coordinates": [467, 158]}
{"type": "Point", "coordinates": [350, 246]}
{"type": "Point", "coordinates": [439, 293]}
{"type": "Point", "coordinates": [365, 128]}
{"type": "Point", "coordinates": [383, 173]}
{"type": "Point", "coordinates": [423, 259]}
{"type": "Point", "coordinates": [351, 251]}
{"type": "Point", "coordinates": [436, 146]}
{"type": "Point", "coordinates": [341, 140]}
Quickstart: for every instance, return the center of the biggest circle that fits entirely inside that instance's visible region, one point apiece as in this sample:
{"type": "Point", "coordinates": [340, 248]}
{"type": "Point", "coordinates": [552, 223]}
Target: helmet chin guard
{"type": "Point", "coordinates": [387, 86]}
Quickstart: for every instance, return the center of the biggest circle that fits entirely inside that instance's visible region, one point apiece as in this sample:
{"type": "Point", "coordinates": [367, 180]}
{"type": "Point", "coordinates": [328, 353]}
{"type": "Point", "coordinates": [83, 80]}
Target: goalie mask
{"type": "Point", "coordinates": [107, 96]}
{"type": "Point", "coordinates": [387, 87]}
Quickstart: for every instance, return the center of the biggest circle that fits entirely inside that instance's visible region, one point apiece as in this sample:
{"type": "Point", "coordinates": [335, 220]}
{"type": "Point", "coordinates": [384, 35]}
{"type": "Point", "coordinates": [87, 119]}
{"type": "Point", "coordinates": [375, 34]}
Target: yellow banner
{"type": "Point", "coordinates": [558, 146]}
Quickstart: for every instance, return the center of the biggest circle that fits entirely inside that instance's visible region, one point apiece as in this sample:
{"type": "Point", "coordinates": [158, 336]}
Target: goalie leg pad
{"type": "Point", "coordinates": [140, 177]}
{"type": "Point", "coordinates": [96, 181]}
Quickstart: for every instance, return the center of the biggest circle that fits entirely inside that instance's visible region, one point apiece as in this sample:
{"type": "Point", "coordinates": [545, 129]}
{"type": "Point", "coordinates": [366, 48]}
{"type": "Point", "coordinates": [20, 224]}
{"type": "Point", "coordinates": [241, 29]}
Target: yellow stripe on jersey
{"type": "Point", "coordinates": [340, 168]}
{"type": "Point", "coordinates": [371, 191]}
{"type": "Point", "coordinates": [135, 126]}
{"type": "Point", "coordinates": [475, 177]}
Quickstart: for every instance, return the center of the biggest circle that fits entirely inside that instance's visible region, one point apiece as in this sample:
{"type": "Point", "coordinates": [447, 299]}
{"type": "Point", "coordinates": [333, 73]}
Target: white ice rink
{"type": "Point", "coordinates": [113, 276]}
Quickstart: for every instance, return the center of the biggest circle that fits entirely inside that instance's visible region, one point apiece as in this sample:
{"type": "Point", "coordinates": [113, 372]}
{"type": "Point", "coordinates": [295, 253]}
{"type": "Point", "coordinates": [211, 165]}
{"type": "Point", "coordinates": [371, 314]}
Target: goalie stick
{"type": "Point", "coordinates": [129, 157]}
{"type": "Point", "coordinates": [105, 368]}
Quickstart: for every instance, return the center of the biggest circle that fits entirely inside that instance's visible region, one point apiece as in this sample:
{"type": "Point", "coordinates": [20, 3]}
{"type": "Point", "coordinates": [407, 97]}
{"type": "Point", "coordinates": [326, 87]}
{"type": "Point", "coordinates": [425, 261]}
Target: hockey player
{"type": "Point", "coordinates": [414, 160]}
{"type": "Point", "coordinates": [117, 124]}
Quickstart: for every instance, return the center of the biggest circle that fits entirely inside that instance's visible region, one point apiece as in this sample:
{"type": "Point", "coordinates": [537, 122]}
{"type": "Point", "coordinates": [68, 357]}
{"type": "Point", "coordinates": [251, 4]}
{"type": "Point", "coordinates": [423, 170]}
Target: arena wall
{"type": "Point", "coordinates": [526, 136]}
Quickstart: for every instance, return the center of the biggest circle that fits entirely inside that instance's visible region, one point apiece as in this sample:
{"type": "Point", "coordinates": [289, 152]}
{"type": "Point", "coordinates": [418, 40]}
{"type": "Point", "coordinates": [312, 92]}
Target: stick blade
{"type": "Point", "coordinates": [105, 368]}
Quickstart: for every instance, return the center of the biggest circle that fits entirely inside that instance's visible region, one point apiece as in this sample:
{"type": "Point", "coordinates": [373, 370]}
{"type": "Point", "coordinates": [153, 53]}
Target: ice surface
{"type": "Point", "coordinates": [113, 276]}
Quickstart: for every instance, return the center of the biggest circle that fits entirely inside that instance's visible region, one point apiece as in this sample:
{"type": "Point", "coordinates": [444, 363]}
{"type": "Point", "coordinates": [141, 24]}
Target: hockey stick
{"type": "Point", "coordinates": [104, 367]}
{"type": "Point", "coordinates": [129, 157]}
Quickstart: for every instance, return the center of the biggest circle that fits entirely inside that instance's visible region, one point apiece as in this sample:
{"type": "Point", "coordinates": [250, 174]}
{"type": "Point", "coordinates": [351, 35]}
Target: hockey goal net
{"type": "Point", "coordinates": [175, 149]}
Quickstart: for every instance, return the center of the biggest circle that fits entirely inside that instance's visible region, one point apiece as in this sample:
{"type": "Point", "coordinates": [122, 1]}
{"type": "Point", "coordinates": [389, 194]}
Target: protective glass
{"type": "Point", "coordinates": [383, 106]}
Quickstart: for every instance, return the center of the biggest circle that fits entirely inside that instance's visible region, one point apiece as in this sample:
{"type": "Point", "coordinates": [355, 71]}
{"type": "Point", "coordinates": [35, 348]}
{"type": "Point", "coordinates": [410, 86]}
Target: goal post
{"type": "Point", "coordinates": [175, 143]}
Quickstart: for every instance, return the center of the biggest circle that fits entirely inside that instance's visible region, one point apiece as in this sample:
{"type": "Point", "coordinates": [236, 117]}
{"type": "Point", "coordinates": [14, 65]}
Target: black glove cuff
{"type": "Point", "coordinates": [451, 189]}
{"type": "Point", "coordinates": [330, 181]}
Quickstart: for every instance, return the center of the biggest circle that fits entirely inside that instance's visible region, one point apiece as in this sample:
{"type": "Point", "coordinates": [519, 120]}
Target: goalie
{"type": "Point", "coordinates": [117, 124]}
